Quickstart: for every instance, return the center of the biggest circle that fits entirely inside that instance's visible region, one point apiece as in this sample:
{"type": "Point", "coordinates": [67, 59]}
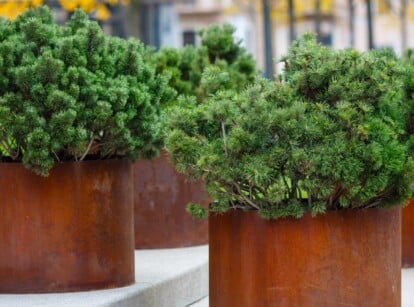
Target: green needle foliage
{"type": "Point", "coordinates": [408, 62]}
{"type": "Point", "coordinates": [196, 73]}
{"type": "Point", "coordinates": [69, 93]}
{"type": "Point", "coordinates": [329, 135]}
{"type": "Point", "coordinates": [219, 51]}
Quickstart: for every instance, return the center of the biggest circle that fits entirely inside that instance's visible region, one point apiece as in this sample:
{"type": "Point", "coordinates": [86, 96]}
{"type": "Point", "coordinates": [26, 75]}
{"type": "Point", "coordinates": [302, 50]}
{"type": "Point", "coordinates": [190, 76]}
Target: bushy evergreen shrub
{"type": "Point", "coordinates": [196, 72]}
{"type": "Point", "coordinates": [408, 62]}
{"type": "Point", "coordinates": [219, 52]}
{"type": "Point", "coordinates": [69, 93]}
{"type": "Point", "coordinates": [330, 134]}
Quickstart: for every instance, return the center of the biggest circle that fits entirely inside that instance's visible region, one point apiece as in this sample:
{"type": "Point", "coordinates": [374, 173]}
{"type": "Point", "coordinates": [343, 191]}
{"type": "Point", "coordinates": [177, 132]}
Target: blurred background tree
{"type": "Point", "coordinates": [11, 9]}
{"type": "Point", "coordinates": [266, 27]}
{"type": "Point", "coordinates": [99, 9]}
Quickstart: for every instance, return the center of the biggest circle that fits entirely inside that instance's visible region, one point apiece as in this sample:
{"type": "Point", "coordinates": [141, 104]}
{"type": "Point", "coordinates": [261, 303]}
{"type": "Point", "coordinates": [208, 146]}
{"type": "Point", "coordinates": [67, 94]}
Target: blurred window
{"type": "Point", "coordinates": [189, 38]}
{"type": "Point", "coordinates": [326, 39]}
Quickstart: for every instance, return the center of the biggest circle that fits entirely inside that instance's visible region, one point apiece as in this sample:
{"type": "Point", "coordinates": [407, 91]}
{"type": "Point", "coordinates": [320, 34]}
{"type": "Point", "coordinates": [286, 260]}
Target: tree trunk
{"type": "Point", "coordinates": [318, 19]}
{"type": "Point", "coordinates": [370, 25]}
{"type": "Point", "coordinates": [351, 6]}
{"type": "Point", "coordinates": [291, 13]}
{"type": "Point", "coordinates": [267, 27]}
{"type": "Point", "coordinates": [117, 21]}
{"type": "Point", "coordinates": [403, 17]}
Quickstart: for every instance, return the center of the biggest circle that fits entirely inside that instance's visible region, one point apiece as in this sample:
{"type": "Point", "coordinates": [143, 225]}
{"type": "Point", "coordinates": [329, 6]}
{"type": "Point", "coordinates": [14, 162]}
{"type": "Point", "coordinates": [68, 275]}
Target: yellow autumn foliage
{"type": "Point", "coordinates": [99, 7]}
{"type": "Point", "coordinates": [279, 8]}
{"type": "Point", "coordinates": [11, 9]}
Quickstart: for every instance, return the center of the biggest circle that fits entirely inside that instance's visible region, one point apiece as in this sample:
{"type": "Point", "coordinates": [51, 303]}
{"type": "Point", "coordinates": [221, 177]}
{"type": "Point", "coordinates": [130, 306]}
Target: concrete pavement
{"type": "Point", "coordinates": [407, 288]}
{"type": "Point", "coordinates": [164, 278]}
{"type": "Point", "coordinates": [169, 277]}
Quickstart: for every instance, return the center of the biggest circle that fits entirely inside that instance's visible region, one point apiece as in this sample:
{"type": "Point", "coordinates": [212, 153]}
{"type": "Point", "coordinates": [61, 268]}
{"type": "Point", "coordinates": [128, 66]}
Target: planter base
{"type": "Point", "coordinates": [160, 198]}
{"type": "Point", "coordinates": [71, 231]}
{"type": "Point", "coordinates": [347, 258]}
{"type": "Point", "coordinates": [408, 235]}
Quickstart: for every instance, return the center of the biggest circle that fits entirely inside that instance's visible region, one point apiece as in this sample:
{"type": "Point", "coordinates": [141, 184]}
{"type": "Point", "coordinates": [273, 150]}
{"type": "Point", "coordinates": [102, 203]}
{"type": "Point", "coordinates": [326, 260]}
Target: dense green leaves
{"type": "Point", "coordinates": [72, 93]}
{"type": "Point", "coordinates": [218, 52]}
{"type": "Point", "coordinates": [331, 134]}
{"type": "Point", "coordinates": [197, 72]}
{"type": "Point", "coordinates": [408, 61]}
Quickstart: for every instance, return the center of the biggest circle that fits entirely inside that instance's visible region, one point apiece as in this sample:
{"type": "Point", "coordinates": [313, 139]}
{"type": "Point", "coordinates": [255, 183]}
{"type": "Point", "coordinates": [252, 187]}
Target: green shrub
{"type": "Point", "coordinates": [219, 51]}
{"type": "Point", "coordinates": [408, 62]}
{"type": "Point", "coordinates": [197, 72]}
{"type": "Point", "coordinates": [329, 135]}
{"type": "Point", "coordinates": [69, 93]}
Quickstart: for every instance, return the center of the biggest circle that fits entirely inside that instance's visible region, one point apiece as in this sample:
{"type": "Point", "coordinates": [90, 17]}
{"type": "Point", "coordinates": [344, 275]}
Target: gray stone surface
{"type": "Point", "coordinates": [164, 278]}
{"type": "Point", "coordinates": [201, 303]}
{"type": "Point", "coordinates": [407, 288]}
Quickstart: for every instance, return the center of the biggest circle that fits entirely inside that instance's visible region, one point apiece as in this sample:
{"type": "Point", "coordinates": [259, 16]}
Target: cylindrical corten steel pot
{"type": "Point", "coordinates": [160, 198]}
{"type": "Point", "coordinates": [408, 235]}
{"type": "Point", "coordinates": [70, 231]}
{"type": "Point", "coordinates": [347, 258]}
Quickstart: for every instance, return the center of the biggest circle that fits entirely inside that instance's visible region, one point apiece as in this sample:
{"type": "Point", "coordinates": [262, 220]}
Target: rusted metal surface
{"type": "Point", "coordinates": [408, 235]}
{"type": "Point", "coordinates": [70, 231]}
{"type": "Point", "coordinates": [160, 198]}
{"type": "Point", "coordinates": [339, 259]}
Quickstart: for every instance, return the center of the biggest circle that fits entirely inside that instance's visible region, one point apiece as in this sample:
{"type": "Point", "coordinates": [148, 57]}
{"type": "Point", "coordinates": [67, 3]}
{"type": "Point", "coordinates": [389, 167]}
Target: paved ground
{"type": "Point", "coordinates": [407, 289]}
{"type": "Point", "coordinates": [201, 303]}
{"type": "Point", "coordinates": [164, 278]}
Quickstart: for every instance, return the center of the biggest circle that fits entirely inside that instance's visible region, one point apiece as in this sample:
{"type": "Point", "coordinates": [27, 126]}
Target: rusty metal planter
{"type": "Point", "coordinates": [71, 231]}
{"type": "Point", "coordinates": [160, 198]}
{"type": "Point", "coordinates": [408, 235]}
{"type": "Point", "coordinates": [348, 258]}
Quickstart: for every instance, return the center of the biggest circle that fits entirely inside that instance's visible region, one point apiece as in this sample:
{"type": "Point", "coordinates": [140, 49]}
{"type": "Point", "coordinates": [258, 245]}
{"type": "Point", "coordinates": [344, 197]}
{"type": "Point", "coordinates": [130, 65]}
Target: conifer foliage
{"type": "Point", "coordinates": [71, 93]}
{"type": "Point", "coordinates": [408, 62]}
{"type": "Point", "coordinates": [330, 134]}
{"type": "Point", "coordinates": [219, 52]}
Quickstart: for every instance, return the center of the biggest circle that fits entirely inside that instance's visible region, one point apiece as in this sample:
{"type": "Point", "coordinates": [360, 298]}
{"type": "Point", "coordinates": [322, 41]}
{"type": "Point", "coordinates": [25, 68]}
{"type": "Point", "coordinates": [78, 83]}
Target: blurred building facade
{"type": "Point", "coordinates": [340, 23]}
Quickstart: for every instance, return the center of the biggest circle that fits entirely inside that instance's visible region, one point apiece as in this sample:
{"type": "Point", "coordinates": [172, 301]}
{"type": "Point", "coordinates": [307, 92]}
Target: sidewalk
{"type": "Point", "coordinates": [407, 288]}
{"type": "Point", "coordinates": [169, 277]}
{"type": "Point", "coordinates": [164, 278]}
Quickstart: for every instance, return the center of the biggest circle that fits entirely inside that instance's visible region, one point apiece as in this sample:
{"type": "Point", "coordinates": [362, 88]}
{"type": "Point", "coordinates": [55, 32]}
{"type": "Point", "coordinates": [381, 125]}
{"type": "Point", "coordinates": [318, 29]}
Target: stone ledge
{"type": "Point", "coordinates": [164, 277]}
{"type": "Point", "coordinates": [407, 287]}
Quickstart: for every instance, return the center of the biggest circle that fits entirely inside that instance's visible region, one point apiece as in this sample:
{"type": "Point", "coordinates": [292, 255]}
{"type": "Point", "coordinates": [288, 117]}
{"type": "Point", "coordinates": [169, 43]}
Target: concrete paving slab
{"type": "Point", "coordinates": [201, 303]}
{"type": "Point", "coordinates": [407, 288]}
{"type": "Point", "coordinates": [164, 278]}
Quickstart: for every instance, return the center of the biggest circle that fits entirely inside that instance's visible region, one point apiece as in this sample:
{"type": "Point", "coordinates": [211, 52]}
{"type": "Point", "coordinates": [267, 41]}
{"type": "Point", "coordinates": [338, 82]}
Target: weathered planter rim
{"type": "Point", "coordinates": [161, 195]}
{"type": "Point", "coordinates": [407, 232]}
{"type": "Point", "coordinates": [293, 257]}
{"type": "Point", "coordinates": [77, 236]}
